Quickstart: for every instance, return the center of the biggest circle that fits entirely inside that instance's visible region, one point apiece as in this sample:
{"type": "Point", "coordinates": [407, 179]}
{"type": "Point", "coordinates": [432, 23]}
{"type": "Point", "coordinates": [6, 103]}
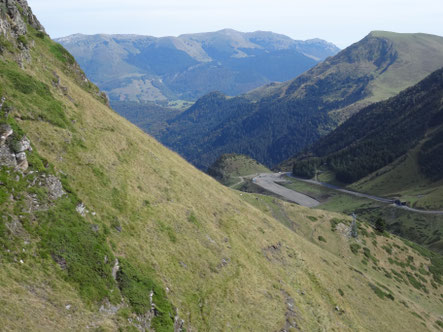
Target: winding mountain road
{"type": "Point", "coordinates": [345, 191]}
{"type": "Point", "coordinates": [270, 182]}
{"type": "Point", "coordinates": [372, 197]}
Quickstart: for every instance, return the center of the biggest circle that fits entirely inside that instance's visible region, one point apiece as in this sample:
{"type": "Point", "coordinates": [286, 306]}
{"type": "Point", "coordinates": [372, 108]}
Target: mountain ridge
{"type": "Point", "coordinates": [138, 69]}
{"type": "Point", "coordinates": [292, 115]}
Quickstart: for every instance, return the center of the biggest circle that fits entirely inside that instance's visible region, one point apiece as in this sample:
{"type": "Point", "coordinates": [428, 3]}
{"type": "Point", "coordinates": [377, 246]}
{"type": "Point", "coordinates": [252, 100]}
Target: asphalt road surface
{"type": "Point", "coordinates": [269, 181]}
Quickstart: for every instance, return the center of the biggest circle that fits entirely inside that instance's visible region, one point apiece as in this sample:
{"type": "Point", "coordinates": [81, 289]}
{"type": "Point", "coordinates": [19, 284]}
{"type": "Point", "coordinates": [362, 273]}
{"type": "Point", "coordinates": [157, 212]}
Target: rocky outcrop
{"type": "Point", "coordinates": [13, 17]}
{"type": "Point", "coordinates": [81, 209]}
{"type": "Point", "coordinates": [55, 187]}
{"type": "Point", "coordinates": [27, 12]}
{"type": "Point", "coordinates": [20, 147]}
{"type": "Point", "coordinates": [7, 157]}
{"type": "Point", "coordinates": [13, 151]}
{"type": "Point", "coordinates": [5, 132]}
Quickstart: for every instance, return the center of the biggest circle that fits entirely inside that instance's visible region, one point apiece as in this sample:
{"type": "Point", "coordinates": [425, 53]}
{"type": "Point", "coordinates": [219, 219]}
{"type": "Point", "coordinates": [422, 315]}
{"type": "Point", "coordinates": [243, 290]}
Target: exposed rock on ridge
{"type": "Point", "coordinates": [13, 151]}
{"type": "Point", "coordinates": [13, 20]}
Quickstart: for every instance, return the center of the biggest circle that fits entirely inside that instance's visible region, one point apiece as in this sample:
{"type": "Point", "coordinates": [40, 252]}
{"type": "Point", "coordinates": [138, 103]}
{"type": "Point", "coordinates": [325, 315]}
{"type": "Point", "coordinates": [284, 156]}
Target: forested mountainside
{"type": "Point", "coordinates": [383, 132]}
{"type": "Point", "coordinates": [276, 122]}
{"type": "Point", "coordinates": [144, 68]}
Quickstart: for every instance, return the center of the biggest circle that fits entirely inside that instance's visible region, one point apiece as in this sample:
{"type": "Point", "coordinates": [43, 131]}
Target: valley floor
{"type": "Point", "coordinates": [273, 182]}
{"type": "Point", "coordinates": [417, 225]}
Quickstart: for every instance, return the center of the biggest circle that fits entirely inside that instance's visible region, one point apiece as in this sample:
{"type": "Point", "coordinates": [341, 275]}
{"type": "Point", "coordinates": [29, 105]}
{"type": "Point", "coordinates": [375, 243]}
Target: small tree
{"type": "Point", "coordinates": [380, 225]}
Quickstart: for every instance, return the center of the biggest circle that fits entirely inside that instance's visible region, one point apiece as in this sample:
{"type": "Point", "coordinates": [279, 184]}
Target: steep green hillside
{"type": "Point", "coordinates": [144, 68]}
{"type": "Point", "coordinates": [276, 122]}
{"type": "Point", "coordinates": [230, 168]}
{"type": "Point", "coordinates": [102, 228]}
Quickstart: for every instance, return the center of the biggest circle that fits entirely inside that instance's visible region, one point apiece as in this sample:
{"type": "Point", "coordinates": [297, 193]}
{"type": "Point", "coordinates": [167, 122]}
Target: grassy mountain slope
{"type": "Point", "coordinates": [207, 255]}
{"type": "Point", "coordinates": [288, 117]}
{"type": "Point", "coordinates": [229, 168]}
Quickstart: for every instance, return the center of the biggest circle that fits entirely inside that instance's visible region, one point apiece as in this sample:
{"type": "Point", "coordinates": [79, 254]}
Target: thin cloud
{"type": "Point", "coordinates": [341, 21]}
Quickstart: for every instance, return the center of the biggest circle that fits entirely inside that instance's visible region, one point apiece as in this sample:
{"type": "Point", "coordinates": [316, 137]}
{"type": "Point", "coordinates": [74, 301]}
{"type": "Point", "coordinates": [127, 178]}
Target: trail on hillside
{"type": "Point", "coordinates": [238, 183]}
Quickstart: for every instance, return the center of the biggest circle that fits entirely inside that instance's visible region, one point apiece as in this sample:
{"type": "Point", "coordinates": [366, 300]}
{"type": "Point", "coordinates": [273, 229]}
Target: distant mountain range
{"type": "Point", "coordinates": [275, 122]}
{"type": "Point", "coordinates": [149, 69]}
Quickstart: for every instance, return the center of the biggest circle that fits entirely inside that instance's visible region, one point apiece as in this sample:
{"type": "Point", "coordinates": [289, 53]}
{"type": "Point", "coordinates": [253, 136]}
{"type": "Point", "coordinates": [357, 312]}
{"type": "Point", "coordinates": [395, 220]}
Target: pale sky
{"type": "Point", "coordinates": [342, 22]}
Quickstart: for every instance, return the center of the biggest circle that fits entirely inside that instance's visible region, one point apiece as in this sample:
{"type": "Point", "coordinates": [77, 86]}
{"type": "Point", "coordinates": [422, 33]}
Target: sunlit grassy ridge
{"type": "Point", "coordinates": [219, 258]}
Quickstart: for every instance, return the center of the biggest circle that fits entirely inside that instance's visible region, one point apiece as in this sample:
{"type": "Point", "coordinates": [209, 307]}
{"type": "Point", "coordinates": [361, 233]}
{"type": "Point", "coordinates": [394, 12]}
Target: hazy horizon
{"type": "Point", "coordinates": [342, 22]}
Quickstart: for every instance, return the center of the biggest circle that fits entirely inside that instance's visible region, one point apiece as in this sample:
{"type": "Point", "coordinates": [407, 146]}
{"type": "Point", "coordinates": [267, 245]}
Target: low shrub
{"type": "Point", "coordinates": [355, 247]}
{"type": "Point", "coordinates": [380, 293]}
{"type": "Point", "coordinates": [321, 238]}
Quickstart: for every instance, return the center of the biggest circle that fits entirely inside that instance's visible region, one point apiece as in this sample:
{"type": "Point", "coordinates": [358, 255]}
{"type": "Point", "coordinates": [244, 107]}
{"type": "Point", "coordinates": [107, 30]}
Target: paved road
{"type": "Point", "coordinates": [269, 181]}
{"type": "Point", "coordinates": [350, 192]}
{"type": "Point", "coordinates": [358, 194]}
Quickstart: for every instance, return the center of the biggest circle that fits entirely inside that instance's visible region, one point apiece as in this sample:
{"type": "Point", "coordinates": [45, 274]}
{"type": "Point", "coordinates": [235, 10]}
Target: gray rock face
{"type": "Point", "coordinates": [14, 15]}
{"type": "Point", "coordinates": [81, 209]}
{"type": "Point", "coordinates": [5, 132]}
{"type": "Point", "coordinates": [22, 161]}
{"type": "Point", "coordinates": [23, 145]}
{"type": "Point", "coordinates": [7, 157]}
{"type": "Point", "coordinates": [55, 187]}
{"type": "Point", "coordinates": [32, 19]}
{"type": "Point", "coordinates": [13, 153]}
{"type": "Point", "coordinates": [12, 22]}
